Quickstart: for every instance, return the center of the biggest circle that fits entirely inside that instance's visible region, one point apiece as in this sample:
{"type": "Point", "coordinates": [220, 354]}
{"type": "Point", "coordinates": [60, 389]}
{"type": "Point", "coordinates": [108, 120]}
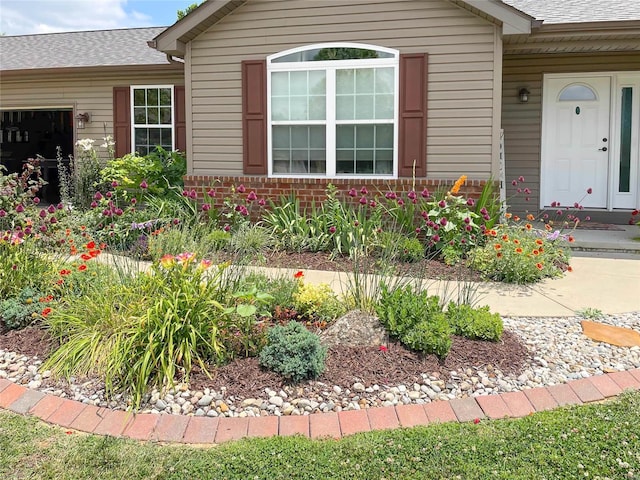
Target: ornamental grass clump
{"type": "Point", "coordinates": [293, 352]}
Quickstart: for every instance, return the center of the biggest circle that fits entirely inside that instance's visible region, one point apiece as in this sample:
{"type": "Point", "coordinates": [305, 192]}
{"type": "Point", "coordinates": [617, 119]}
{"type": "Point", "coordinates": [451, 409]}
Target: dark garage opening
{"type": "Point", "coordinates": [25, 134]}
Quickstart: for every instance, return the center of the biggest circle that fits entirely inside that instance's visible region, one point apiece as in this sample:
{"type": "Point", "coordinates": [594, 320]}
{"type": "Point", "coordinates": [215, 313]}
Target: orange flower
{"type": "Point", "coordinates": [530, 217]}
{"type": "Point", "coordinates": [83, 228]}
{"type": "Point", "coordinates": [516, 242]}
{"type": "Point", "coordinates": [547, 227]}
{"type": "Point", "coordinates": [46, 312]}
{"type": "Point", "coordinates": [499, 255]}
{"type": "Point", "coordinates": [536, 252]}
{"type": "Point", "coordinates": [67, 232]}
{"type": "Point", "coordinates": [571, 239]}
{"type": "Point", "coordinates": [518, 250]}
{"type": "Point", "coordinates": [505, 238]}
{"type": "Point", "coordinates": [516, 218]}
{"type": "Point", "coordinates": [65, 272]}
{"type": "Point", "coordinates": [298, 274]}
{"type": "Point", "coordinates": [493, 233]}
{"type": "Point", "coordinates": [539, 266]}
{"type": "Point", "coordinates": [85, 256]}
{"type": "Point", "coordinates": [540, 250]}
{"type": "Point", "coordinates": [74, 250]}
{"type": "Point", "coordinates": [103, 246]}
{"type": "Point", "coordinates": [507, 215]}
{"type": "Point", "coordinates": [458, 184]}
{"type": "Point", "coordinates": [82, 267]}
{"type": "Point", "coordinates": [528, 226]}
{"type": "Point", "coordinates": [539, 242]}
{"type": "Point", "coordinates": [569, 269]}
{"type": "Point", "coordinates": [497, 246]}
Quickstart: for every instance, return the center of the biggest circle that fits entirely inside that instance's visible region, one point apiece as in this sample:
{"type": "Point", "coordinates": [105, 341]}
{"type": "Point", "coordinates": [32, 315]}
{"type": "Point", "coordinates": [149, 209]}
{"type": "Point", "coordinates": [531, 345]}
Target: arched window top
{"type": "Point", "coordinates": [331, 52]}
{"type": "Point", "coordinates": [577, 91]}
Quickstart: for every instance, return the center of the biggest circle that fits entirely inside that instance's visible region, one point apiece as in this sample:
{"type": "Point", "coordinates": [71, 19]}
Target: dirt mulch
{"type": "Point", "coordinates": [244, 378]}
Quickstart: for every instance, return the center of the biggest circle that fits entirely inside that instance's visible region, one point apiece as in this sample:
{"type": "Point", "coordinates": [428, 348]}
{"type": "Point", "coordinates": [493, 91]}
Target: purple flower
{"type": "Point", "coordinates": [241, 188]}
{"type": "Point", "coordinates": [60, 206]}
{"type": "Point", "coordinates": [514, 183]}
{"type": "Point", "coordinates": [97, 196]}
{"type": "Point", "coordinates": [391, 195]}
{"type": "Point", "coordinates": [442, 204]}
{"type": "Point", "coordinates": [521, 178]}
{"type": "Point", "coordinates": [36, 200]}
{"type": "Point", "coordinates": [43, 213]}
{"type": "Point", "coordinates": [252, 196]}
{"type": "Point", "coordinates": [589, 190]}
{"type": "Point", "coordinates": [527, 191]}
{"type": "Point", "coordinates": [363, 200]}
{"type": "Point", "coordinates": [53, 220]}
{"type": "Point", "coordinates": [400, 202]}
{"type": "Point", "coordinates": [144, 185]}
{"type": "Point", "coordinates": [372, 204]}
{"type": "Point", "coordinates": [43, 228]}
{"type": "Point", "coordinates": [467, 220]}
{"type": "Point", "coordinates": [206, 207]}
{"type": "Point", "coordinates": [519, 190]}
{"type": "Point", "coordinates": [27, 231]}
{"type": "Point", "coordinates": [470, 202]}
{"type": "Point", "coordinates": [185, 193]}
{"type": "Point", "coordinates": [412, 195]}
{"type": "Point", "coordinates": [332, 229]}
{"type": "Point", "coordinates": [418, 229]}
{"type": "Point", "coordinates": [356, 223]}
{"type": "Point", "coordinates": [486, 217]}
{"type": "Point", "coordinates": [193, 194]}
{"type": "Point", "coordinates": [586, 219]}
{"type": "Point", "coordinates": [4, 214]}
{"type": "Point", "coordinates": [108, 194]}
{"type": "Point", "coordinates": [19, 208]}
{"type": "Point", "coordinates": [114, 184]}
{"type": "Point", "coordinates": [435, 238]}
{"type": "Point", "coordinates": [262, 202]}
{"type": "Point", "coordinates": [424, 214]}
{"type": "Point", "coordinates": [211, 192]}
{"type": "Point", "coordinates": [243, 211]}
{"type": "Point", "coordinates": [118, 211]}
{"type": "Point", "coordinates": [352, 192]}
{"type": "Point", "coordinates": [483, 211]}
{"type": "Point", "coordinates": [553, 204]}
{"type": "Point", "coordinates": [227, 228]}
{"type": "Point", "coordinates": [364, 191]}
{"type": "Point", "coordinates": [443, 221]}
{"type": "Point", "coordinates": [106, 212]}
{"type": "Point", "coordinates": [51, 209]}
{"type": "Point", "coordinates": [93, 204]}
{"type": "Point", "coordinates": [425, 193]}
{"type": "Point", "coordinates": [176, 221]}
{"type": "Point", "coordinates": [133, 201]}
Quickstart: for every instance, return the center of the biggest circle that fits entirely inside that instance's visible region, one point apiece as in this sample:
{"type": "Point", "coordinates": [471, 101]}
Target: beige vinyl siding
{"type": "Point", "coordinates": [461, 48]}
{"type": "Point", "coordinates": [522, 123]}
{"type": "Point", "coordinates": [83, 92]}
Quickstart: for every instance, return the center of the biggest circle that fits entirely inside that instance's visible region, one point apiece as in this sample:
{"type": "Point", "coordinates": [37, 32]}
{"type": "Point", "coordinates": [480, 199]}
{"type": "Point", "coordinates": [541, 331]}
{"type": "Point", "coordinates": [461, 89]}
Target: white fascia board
{"type": "Point", "coordinates": [513, 21]}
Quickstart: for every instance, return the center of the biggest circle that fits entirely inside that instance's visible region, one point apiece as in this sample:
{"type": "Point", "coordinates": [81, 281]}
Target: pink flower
{"type": "Point", "coordinates": [514, 183]}
{"type": "Point", "coordinates": [521, 178]}
{"type": "Point", "coordinates": [185, 193]}
{"type": "Point", "coordinates": [51, 209]}
{"type": "Point", "coordinates": [53, 220]}
{"type": "Point", "coordinates": [364, 191]}
{"type": "Point", "coordinates": [352, 192]}
{"type": "Point", "coordinates": [4, 214]}
{"type": "Point", "coordinates": [118, 211]}
{"type": "Point", "coordinates": [442, 204]}
{"type": "Point", "coordinates": [476, 421]}
{"type": "Point", "coordinates": [108, 194]}
{"type": "Point", "coordinates": [144, 185]}
{"type": "Point", "coordinates": [372, 204]}
{"type": "Point", "coordinates": [241, 188]}
{"type": "Point", "coordinates": [425, 193]}
{"type": "Point", "coordinates": [363, 200]}
{"type": "Point", "coordinates": [382, 348]}
{"type": "Point", "coordinates": [443, 221]}
{"type": "Point", "coordinates": [211, 192]}
{"type": "Point", "coordinates": [133, 201]}
{"type": "Point", "coordinates": [36, 200]}
{"type": "Point", "coordinates": [114, 184]}
{"type": "Point", "coordinates": [252, 196]}
{"type": "Point", "coordinates": [435, 238]}
{"type": "Point", "coordinates": [400, 202]}
{"type": "Point", "coordinates": [470, 202]}
{"type": "Point", "coordinates": [411, 195]}
{"type": "Point", "coordinates": [390, 195]}
{"type": "Point", "coordinates": [332, 229]}
{"type": "Point", "coordinates": [97, 196]}
{"type": "Point", "coordinates": [19, 208]}
{"type": "Point", "coordinates": [176, 221]}
{"type": "Point", "coordinates": [589, 190]}
{"type": "Point", "coordinates": [206, 207]}
{"type": "Point", "coordinates": [193, 194]}
{"type": "Point", "coordinates": [227, 228]}
{"type": "Point", "coordinates": [262, 202]}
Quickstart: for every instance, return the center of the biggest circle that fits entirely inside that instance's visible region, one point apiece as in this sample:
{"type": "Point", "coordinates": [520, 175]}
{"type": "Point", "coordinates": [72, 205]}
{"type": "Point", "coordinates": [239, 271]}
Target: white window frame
{"type": "Point", "coordinates": [330, 120]}
{"type": "Point", "coordinates": [135, 125]}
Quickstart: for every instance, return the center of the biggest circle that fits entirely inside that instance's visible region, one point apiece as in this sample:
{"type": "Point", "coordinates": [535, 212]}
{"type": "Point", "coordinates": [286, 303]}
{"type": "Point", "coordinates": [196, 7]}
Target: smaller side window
{"type": "Point", "coordinates": [152, 118]}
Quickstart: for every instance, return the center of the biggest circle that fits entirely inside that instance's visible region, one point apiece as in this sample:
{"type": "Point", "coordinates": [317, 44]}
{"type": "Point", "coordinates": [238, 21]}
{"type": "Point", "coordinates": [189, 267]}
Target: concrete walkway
{"type": "Point", "coordinates": [77, 416]}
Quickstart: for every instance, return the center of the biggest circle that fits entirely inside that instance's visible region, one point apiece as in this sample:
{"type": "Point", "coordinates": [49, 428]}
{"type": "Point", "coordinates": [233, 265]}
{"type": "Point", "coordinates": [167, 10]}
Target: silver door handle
{"type": "Point", "coordinates": [603, 149]}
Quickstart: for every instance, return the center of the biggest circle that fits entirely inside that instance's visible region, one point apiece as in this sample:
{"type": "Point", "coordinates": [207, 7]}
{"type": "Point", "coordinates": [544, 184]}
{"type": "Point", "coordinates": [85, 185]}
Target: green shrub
{"type": "Point", "coordinates": [293, 352]}
{"type": "Point", "coordinates": [432, 336]}
{"type": "Point", "coordinates": [396, 246]}
{"type": "Point", "coordinates": [22, 265]}
{"type": "Point", "coordinates": [19, 312]}
{"type": "Point", "coordinates": [317, 301]}
{"type": "Point", "coordinates": [416, 319]}
{"type": "Point", "coordinates": [475, 323]}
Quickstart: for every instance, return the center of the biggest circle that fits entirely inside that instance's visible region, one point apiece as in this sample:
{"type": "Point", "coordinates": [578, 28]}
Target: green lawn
{"type": "Point", "coordinates": [593, 441]}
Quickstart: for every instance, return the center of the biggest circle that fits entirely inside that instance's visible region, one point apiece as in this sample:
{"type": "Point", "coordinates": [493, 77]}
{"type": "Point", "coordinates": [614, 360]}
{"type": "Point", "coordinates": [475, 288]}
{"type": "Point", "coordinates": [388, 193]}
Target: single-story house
{"type": "Point", "coordinates": [285, 95]}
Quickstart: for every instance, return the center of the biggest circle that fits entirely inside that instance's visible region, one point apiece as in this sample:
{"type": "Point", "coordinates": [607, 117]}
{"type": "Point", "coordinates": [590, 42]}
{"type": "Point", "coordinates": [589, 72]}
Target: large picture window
{"type": "Point", "coordinates": [153, 118]}
{"type": "Point", "coordinates": [332, 111]}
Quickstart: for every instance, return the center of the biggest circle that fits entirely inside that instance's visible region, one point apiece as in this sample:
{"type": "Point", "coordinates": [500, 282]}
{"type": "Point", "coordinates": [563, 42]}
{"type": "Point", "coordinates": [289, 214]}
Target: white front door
{"type": "Point", "coordinates": [576, 141]}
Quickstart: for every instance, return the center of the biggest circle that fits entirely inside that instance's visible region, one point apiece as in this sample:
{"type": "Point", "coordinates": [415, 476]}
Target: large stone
{"type": "Point", "coordinates": [620, 336]}
{"type": "Point", "coordinates": [355, 329]}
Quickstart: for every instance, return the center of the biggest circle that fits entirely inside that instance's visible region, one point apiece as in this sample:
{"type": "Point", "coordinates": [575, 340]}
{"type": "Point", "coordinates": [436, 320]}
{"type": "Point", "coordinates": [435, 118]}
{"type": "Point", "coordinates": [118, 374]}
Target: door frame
{"type": "Point", "coordinates": [614, 135]}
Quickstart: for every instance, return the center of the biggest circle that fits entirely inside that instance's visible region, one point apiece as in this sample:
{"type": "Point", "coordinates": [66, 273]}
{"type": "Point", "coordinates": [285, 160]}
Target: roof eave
{"type": "Point", "coordinates": [174, 39]}
{"type": "Point", "coordinates": [588, 27]}
{"type": "Point", "coordinates": [514, 22]}
{"type": "Point", "coordinates": [146, 68]}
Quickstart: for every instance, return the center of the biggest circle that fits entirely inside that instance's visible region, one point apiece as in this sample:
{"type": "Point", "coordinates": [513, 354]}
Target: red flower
{"type": "Point", "coordinates": [85, 256]}
{"type": "Point", "coordinates": [476, 421]}
{"type": "Point", "coordinates": [91, 245]}
{"type": "Point", "coordinates": [94, 253]}
{"type": "Point", "coordinates": [298, 274]}
{"type": "Point", "coordinates": [65, 272]}
{"type": "Point", "coordinates": [82, 267]}
{"type": "Point", "coordinates": [383, 348]}
{"type": "Point", "coordinates": [46, 312]}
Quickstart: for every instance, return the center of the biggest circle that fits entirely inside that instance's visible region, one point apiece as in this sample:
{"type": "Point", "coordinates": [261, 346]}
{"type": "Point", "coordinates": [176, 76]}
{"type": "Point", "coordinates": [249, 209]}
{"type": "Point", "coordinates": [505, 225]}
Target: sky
{"type": "Point", "coordinates": [25, 17]}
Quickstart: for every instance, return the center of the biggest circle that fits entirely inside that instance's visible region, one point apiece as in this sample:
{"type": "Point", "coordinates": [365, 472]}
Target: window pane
{"type": "Point", "coordinates": [154, 136]}
{"type": "Point", "coordinates": [280, 137]}
{"type": "Point", "coordinates": [345, 136]}
{"type": "Point", "coordinates": [139, 97]}
{"type": "Point", "coordinates": [298, 83]}
{"type": "Point", "coordinates": [345, 107]}
{"type": "Point", "coordinates": [317, 82]}
{"type": "Point", "coordinates": [279, 83]}
{"type": "Point", "coordinates": [384, 168]}
{"type": "Point", "coordinates": [165, 138]}
{"type": "Point", "coordinates": [299, 137]}
{"type": "Point", "coordinates": [165, 115]}
{"type": "Point", "coordinates": [280, 108]}
{"type": "Point", "coordinates": [345, 81]}
{"type": "Point", "coordinates": [384, 80]}
{"type": "Point", "coordinates": [299, 149]}
{"type": "Point", "coordinates": [299, 108]}
{"type": "Point", "coordinates": [140, 115]}
{"type": "Point", "coordinates": [165, 97]}
{"type": "Point", "coordinates": [317, 108]}
{"type": "Point", "coordinates": [577, 92]}
{"type": "Point", "coordinates": [364, 80]}
{"type": "Point", "coordinates": [332, 53]}
{"type": "Point", "coordinates": [364, 107]}
{"type": "Point", "coordinates": [152, 96]}
{"type": "Point", "coordinates": [141, 136]}
{"type": "Point", "coordinates": [153, 115]}
{"type": "Point", "coordinates": [317, 137]}
{"type": "Point", "coordinates": [384, 107]}
{"type": "Point", "coordinates": [625, 140]}
{"type": "Point", "coordinates": [384, 136]}
{"type": "Point", "coordinates": [364, 136]}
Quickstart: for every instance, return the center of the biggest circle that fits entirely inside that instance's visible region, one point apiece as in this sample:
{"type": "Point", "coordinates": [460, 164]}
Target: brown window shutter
{"type": "Point", "coordinates": [254, 117]}
{"type": "Point", "coordinates": [181, 118]}
{"type": "Point", "coordinates": [122, 120]}
{"type": "Point", "coordinates": [412, 127]}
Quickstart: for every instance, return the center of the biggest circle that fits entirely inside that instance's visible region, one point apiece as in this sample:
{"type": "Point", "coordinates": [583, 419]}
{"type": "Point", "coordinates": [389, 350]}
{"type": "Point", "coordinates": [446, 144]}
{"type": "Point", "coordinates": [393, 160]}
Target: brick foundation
{"type": "Point", "coordinates": [313, 189]}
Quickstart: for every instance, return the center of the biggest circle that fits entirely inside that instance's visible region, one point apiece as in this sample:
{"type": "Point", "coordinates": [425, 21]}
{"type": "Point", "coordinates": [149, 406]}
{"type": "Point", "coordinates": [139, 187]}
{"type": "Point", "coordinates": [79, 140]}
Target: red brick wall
{"type": "Point", "coordinates": [309, 190]}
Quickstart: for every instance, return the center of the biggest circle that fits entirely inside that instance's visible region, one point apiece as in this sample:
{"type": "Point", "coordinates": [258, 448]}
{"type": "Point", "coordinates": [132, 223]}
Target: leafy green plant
{"type": "Point", "coordinates": [317, 301]}
{"type": "Point", "coordinates": [18, 195]}
{"type": "Point", "coordinates": [23, 264]}
{"type": "Point", "coordinates": [415, 318]}
{"type": "Point", "coordinates": [488, 204]}
{"type": "Point", "coordinates": [474, 323]}
{"type": "Point", "coordinates": [590, 313]}
{"type": "Point", "coordinates": [81, 180]}
{"type": "Point", "coordinates": [293, 352]}
{"type": "Point", "coordinates": [396, 246]}
{"type": "Point", "coordinates": [20, 311]}
{"type": "Point", "coordinates": [247, 331]}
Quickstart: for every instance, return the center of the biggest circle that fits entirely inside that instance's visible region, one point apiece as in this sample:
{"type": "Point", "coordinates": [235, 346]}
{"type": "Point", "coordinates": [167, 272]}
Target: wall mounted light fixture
{"type": "Point", "coordinates": [523, 93]}
{"type": "Point", "coordinates": [82, 119]}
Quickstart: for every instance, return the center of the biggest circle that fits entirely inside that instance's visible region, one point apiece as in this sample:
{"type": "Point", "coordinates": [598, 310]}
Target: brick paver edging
{"type": "Point", "coordinates": [178, 428]}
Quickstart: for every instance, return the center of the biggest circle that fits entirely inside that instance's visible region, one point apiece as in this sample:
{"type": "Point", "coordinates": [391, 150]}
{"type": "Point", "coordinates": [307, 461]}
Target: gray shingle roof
{"type": "Point", "coordinates": [80, 49]}
{"type": "Point", "coordinates": [578, 11]}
